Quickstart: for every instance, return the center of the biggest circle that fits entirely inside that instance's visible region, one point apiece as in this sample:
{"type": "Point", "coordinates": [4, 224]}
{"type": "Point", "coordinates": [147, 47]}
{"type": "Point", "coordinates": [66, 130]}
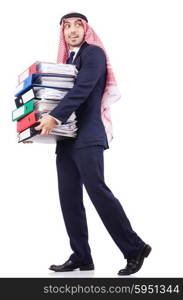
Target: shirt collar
{"type": "Point", "coordinates": [75, 49]}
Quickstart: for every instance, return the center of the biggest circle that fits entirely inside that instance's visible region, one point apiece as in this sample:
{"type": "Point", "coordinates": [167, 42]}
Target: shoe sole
{"type": "Point", "coordinates": [84, 268]}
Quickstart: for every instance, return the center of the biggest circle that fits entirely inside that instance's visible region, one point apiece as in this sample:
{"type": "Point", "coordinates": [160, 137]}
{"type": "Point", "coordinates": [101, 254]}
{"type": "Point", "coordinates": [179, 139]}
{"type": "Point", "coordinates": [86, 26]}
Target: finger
{"type": "Point", "coordinates": [38, 127]}
{"type": "Point", "coordinates": [43, 132]}
{"type": "Point", "coordinates": [47, 131]}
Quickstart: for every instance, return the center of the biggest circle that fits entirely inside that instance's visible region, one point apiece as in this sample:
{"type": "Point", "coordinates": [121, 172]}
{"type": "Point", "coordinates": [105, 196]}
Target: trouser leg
{"type": "Point", "coordinates": [89, 161]}
{"type": "Point", "coordinates": [71, 200]}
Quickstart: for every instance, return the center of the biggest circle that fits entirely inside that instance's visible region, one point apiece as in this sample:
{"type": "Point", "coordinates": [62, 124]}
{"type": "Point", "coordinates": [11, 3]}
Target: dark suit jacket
{"type": "Point", "coordinates": [85, 99]}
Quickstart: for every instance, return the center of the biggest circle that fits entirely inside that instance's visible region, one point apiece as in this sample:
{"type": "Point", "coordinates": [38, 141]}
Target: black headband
{"type": "Point", "coordinates": [74, 15]}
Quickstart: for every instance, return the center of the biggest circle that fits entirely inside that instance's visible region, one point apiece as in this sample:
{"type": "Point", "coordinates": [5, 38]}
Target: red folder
{"type": "Point", "coordinates": [31, 70]}
{"type": "Point", "coordinates": [27, 121]}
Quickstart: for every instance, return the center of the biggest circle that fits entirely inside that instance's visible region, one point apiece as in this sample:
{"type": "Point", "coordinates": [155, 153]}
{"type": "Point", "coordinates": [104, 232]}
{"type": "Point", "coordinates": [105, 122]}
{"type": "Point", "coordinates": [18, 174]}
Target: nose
{"type": "Point", "coordinates": [73, 29]}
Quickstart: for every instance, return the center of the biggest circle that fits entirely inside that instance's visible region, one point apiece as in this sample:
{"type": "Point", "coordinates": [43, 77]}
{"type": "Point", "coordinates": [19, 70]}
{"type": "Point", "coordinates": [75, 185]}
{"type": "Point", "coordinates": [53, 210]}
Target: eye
{"type": "Point", "coordinates": [66, 25]}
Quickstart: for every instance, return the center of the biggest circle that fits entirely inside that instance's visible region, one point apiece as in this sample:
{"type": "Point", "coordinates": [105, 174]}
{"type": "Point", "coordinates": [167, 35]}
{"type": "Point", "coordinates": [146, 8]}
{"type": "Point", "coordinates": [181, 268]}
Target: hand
{"type": "Point", "coordinates": [47, 123]}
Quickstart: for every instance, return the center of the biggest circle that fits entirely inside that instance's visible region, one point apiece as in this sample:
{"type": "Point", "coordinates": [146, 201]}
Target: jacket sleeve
{"type": "Point", "coordinates": [93, 66]}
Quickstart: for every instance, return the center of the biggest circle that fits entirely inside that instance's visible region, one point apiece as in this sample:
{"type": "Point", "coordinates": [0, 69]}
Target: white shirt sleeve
{"type": "Point", "coordinates": [58, 121]}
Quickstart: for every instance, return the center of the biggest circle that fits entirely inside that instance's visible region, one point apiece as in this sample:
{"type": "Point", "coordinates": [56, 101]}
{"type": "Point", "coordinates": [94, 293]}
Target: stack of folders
{"type": "Point", "coordinates": [40, 89]}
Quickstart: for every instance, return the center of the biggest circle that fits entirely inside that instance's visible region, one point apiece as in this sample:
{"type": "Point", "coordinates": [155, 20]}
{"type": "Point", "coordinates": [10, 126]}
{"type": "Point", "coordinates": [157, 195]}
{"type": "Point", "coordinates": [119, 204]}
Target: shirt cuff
{"type": "Point", "coordinates": [58, 121]}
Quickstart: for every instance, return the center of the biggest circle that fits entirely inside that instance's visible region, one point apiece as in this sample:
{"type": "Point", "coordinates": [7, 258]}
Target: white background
{"type": "Point", "coordinates": [144, 165]}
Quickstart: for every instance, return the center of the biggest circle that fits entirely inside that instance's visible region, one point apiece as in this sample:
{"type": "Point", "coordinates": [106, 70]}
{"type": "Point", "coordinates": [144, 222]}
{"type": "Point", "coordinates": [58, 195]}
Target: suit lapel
{"type": "Point", "coordinates": [84, 45]}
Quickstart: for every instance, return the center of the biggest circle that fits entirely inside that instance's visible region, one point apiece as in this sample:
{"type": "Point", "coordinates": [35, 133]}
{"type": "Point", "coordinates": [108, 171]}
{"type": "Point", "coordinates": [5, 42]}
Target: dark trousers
{"type": "Point", "coordinates": [76, 167]}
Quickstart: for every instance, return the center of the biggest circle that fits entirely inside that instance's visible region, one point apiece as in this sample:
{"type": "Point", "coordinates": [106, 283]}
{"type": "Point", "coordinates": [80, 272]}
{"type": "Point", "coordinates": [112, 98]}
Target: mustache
{"type": "Point", "coordinates": [74, 35]}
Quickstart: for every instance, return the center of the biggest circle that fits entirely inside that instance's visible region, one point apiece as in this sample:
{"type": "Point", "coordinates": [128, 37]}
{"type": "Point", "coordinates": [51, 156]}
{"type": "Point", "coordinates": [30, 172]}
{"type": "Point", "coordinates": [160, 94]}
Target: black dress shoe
{"type": "Point", "coordinates": [70, 266]}
{"type": "Point", "coordinates": [134, 264]}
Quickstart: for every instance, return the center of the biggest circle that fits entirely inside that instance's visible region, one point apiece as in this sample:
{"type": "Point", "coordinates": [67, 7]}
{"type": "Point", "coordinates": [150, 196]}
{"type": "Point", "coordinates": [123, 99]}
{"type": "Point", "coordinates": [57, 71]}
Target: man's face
{"type": "Point", "coordinates": [73, 32]}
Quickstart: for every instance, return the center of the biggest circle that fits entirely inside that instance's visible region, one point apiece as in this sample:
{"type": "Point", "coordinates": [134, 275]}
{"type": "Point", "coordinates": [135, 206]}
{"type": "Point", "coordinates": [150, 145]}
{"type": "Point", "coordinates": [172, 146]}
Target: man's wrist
{"type": "Point", "coordinates": [58, 121]}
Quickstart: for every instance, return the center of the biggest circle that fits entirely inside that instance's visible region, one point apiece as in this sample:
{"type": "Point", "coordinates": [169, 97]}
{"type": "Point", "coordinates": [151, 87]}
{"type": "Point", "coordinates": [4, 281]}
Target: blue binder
{"type": "Point", "coordinates": [30, 82]}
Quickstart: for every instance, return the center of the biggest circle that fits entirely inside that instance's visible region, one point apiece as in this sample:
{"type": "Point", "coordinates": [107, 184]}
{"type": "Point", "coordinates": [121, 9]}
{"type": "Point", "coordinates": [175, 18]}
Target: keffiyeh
{"type": "Point", "coordinates": [111, 92]}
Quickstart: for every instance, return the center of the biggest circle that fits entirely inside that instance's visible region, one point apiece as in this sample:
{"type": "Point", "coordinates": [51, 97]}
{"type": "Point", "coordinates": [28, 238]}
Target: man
{"type": "Point", "coordinates": [80, 160]}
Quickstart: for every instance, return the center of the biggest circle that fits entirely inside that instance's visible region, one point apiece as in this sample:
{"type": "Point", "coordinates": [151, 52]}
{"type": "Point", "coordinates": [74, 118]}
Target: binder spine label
{"type": "Point", "coordinates": [17, 113]}
{"type": "Point", "coordinates": [24, 134]}
{"type": "Point", "coordinates": [28, 96]}
{"type": "Point", "coordinates": [19, 87]}
{"type": "Point", "coordinates": [23, 75]}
